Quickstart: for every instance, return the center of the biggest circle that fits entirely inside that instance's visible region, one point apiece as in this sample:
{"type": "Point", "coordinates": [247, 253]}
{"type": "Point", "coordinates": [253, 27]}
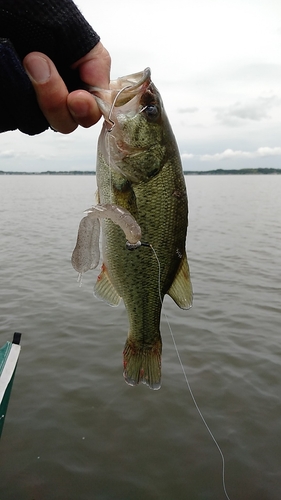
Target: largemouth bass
{"type": "Point", "coordinates": [139, 169]}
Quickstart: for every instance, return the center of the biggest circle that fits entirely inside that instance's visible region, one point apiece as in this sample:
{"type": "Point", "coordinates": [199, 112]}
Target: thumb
{"type": "Point", "coordinates": [51, 91]}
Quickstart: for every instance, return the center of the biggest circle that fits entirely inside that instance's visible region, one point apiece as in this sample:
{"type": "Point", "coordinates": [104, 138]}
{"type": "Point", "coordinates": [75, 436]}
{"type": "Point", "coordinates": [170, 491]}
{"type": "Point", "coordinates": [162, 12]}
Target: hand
{"type": "Point", "coordinates": [65, 111]}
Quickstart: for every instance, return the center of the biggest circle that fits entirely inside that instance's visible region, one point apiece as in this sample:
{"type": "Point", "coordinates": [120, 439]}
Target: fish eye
{"type": "Point", "coordinates": [152, 112]}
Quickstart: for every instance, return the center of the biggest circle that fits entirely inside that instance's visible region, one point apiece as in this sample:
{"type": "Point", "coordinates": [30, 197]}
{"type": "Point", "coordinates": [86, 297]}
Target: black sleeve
{"type": "Point", "coordinates": [54, 27]}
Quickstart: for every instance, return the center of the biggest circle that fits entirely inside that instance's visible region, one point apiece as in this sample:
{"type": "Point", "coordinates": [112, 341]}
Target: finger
{"type": "Point", "coordinates": [83, 108]}
{"type": "Point", "coordinates": [51, 91]}
{"type": "Point", "coordinates": [94, 67]}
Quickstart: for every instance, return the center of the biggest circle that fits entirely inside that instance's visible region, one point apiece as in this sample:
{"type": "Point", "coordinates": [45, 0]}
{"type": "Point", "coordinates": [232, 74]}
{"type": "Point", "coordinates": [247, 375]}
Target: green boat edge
{"type": "Point", "coordinates": [9, 355]}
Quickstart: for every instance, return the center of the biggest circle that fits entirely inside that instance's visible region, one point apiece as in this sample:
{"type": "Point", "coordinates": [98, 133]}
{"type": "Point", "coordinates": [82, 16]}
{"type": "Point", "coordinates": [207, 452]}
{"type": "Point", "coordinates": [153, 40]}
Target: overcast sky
{"type": "Point", "coordinates": [217, 65]}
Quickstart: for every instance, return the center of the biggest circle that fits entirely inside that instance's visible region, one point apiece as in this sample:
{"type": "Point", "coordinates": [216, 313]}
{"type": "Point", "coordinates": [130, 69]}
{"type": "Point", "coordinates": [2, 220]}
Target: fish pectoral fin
{"type": "Point", "coordinates": [181, 289]}
{"type": "Point", "coordinates": [105, 290]}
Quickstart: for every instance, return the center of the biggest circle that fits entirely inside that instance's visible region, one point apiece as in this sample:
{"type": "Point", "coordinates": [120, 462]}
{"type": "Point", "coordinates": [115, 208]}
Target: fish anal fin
{"type": "Point", "coordinates": [181, 289]}
{"type": "Point", "coordinates": [105, 290]}
{"type": "Point", "coordinates": [142, 364]}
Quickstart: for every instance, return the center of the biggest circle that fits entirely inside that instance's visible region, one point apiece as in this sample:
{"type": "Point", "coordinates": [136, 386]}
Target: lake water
{"type": "Point", "coordinates": [74, 429]}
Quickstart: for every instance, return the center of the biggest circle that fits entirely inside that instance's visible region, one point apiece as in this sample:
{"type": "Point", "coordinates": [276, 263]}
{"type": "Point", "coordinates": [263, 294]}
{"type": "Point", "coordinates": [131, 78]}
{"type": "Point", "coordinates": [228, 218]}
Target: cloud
{"type": "Point", "coordinates": [230, 154]}
{"type": "Point", "coordinates": [255, 110]}
{"type": "Point", "coordinates": [269, 151]}
{"type": "Point", "coordinates": [188, 110]}
{"type": "Point", "coordinates": [187, 156]}
{"type": "Point", "coordinates": [257, 72]}
{"type": "Point", "coordinates": [9, 153]}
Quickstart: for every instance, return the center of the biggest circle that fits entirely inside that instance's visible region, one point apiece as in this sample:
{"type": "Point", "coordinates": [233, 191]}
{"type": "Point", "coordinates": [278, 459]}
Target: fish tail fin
{"type": "Point", "coordinates": [142, 363]}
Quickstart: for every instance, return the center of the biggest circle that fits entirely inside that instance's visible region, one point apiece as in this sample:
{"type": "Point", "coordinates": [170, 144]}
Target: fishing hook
{"type": "Point", "coordinates": [112, 106]}
{"type": "Point", "coordinates": [133, 246]}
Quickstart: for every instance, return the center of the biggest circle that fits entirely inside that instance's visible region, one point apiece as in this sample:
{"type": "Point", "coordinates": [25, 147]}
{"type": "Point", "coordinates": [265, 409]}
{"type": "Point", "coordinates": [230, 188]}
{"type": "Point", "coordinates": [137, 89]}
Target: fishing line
{"type": "Point", "coordinates": [186, 379]}
{"type": "Point", "coordinates": [109, 164]}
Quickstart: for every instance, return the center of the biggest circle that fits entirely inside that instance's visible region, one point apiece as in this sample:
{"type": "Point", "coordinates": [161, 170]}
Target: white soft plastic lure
{"type": "Point", "coordinates": [86, 254]}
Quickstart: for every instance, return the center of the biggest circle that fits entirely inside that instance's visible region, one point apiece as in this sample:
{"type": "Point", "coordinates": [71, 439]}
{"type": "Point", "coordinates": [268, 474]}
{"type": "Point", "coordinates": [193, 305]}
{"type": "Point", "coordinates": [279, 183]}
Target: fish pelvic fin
{"type": "Point", "coordinates": [142, 363]}
{"type": "Point", "coordinates": [181, 289]}
{"type": "Point", "coordinates": [105, 290]}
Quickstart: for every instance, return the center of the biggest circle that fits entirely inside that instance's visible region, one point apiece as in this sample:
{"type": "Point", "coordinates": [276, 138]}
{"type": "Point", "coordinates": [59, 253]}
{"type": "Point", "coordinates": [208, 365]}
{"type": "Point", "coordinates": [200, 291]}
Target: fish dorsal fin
{"type": "Point", "coordinates": [105, 290]}
{"type": "Point", "coordinates": [181, 289]}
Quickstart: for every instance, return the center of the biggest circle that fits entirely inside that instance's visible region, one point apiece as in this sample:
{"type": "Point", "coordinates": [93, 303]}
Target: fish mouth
{"type": "Point", "coordinates": [129, 82]}
{"type": "Point", "coordinates": [121, 91]}
{"type": "Point", "coordinates": [127, 87]}
{"type": "Point", "coordinates": [121, 106]}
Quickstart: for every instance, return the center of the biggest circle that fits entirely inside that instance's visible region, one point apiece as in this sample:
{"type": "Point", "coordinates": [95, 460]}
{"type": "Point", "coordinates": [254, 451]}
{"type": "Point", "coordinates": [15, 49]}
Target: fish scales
{"type": "Point", "coordinates": [139, 169]}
